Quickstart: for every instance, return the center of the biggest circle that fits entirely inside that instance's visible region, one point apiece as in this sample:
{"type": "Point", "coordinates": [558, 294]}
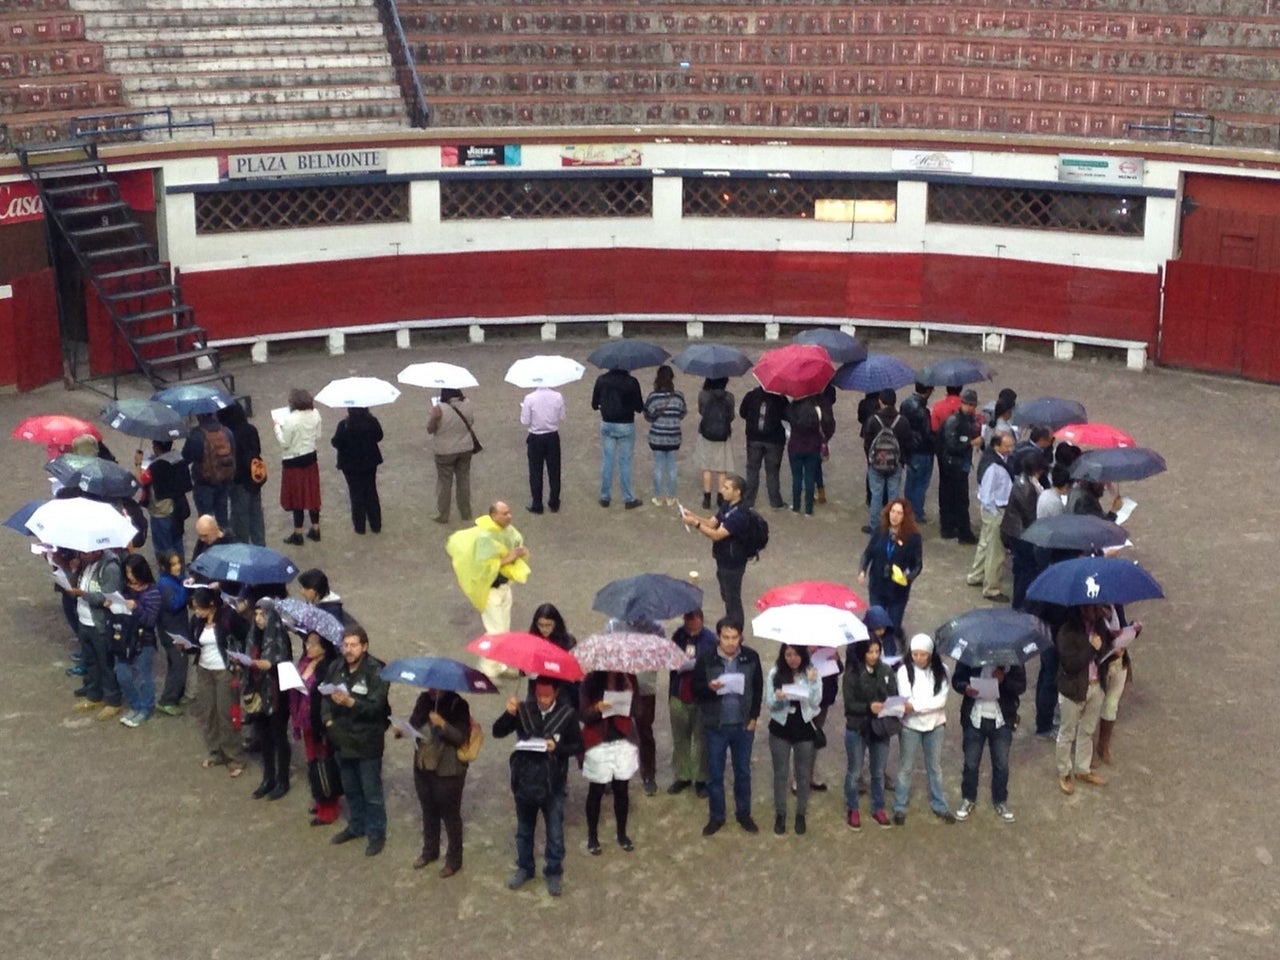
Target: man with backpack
{"type": "Point", "coordinates": [886, 437]}
{"type": "Point", "coordinates": [538, 776]}
{"type": "Point", "coordinates": [762, 413]}
{"type": "Point", "coordinates": [920, 463]}
{"type": "Point", "coordinates": [737, 534]}
{"type": "Point", "coordinates": [210, 451]}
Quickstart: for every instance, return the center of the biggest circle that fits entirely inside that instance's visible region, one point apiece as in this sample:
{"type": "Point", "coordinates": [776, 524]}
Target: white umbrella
{"type": "Point", "coordinates": [438, 375]}
{"type": "Point", "coordinates": [80, 524]}
{"type": "Point", "coordinates": [809, 625]}
{"type": "Point", "coordinates": [545, 371]}
{"type": "Point", "coordinates": [357, 392]}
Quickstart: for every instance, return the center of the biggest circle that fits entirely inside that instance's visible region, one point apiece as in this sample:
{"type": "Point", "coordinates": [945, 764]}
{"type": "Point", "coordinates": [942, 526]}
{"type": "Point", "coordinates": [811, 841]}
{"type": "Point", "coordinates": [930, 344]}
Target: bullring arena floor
{"type": "Point", "coordinates": [117, 843]}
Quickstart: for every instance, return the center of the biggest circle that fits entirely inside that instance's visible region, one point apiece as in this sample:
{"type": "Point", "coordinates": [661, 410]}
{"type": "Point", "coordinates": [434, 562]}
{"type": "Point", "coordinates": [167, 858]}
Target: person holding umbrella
{"type": "Point", "coordinates": [100, 574]}
{"type": "Point", "coordinates": [210, 451]}
{"type": "Point", "coordinates": [1081, 642]}
{"type": "Point", "coordinates": [616, 395]}
{"type": "Point", "coordinates": [451, 425]}
{"type": "Point", "coordinates": [988, 714]}
{"type": "Point", "coordinates": [892, 559]}
{"type": "Point", "coordinates": [299, 433]}
{"type": "Point", "coordinates": [269, 646]}
{"type": "Point", "coordinates": [812, 426]}
{"type": "Point", "coordinates": [541, 413]}
{"type": "Point", "coordinates": [688, 752]}
{"type": "Point", "coordinates": [324, 778]}
{"type": "Point", "coordinates": [247, 522]}
{"type": "Point", "coordinates": [356, 441]}
{"type": "Point", "coordinates": [795, 697]}
{"type": "Point", "coordinates": [439, 776]}
{"type": "Point", "coordinates": [166, 481]}
{"type": "Point", "coordinates": [664, 408]}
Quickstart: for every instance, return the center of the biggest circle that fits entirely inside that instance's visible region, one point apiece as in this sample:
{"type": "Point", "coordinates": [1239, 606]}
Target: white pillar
{"type": "Point", "coordinates": [772, 330]}
{"type": "Point", "coordinates": [993, 343]}
{"type": "Point", "coordinates": [402, 338]}
{"type": "Point", "coordinates": [337, 343]}
{"type": "Point", "coordinates": [693, 329]}
{"type": "Point", "coordinates": [849, 328]}
{"type": "Point", "coordinates": [919, 336]}
{"type": "Point", "coordinates": [258, 352]}
{"type": "Point", "coordinates": [475, 333]}
{"type": "Point", "coordinates": [1137, 358]}
{"type": "Point", "coordinates": [615, 329]}
{"type": "Point", "coordinates": [1064, 349]}
{"type": "Point", "coordinates": [548, 331]}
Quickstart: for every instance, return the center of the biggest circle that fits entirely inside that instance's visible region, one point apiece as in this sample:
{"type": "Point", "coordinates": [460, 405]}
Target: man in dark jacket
{"type": "Point", "coordinates": [167, 481]}
{"type": "Point", "coordinates": [763, 412]}
{"type": "Point", "coordinates": [920, 464]}
{"type": "Point", "coordinates": [617, 396]}
{"type": "Point", "coordinates": [730, 708]}
{"type": "Point", "coordinates": [212, 472]}
{"type": "Point", "coordinates": [245, 493]}
{"type": "Point", "coordinates": [1019, 514]}
{"type": "Point", "coordinates": [688, 756]}
{"type": "Point", "coordinates": [960, 437]}
{"type": "Point", "coordinates": [726, 531]}
{"type": "Point", "coordinates": [355, 717]}
{"type": "Point", "coordinates": [538, 777]}
{"type": "Point", "coordinates": [884, 486]}
{"type": "Point", "coordinates": [1079, 643]}
{"type": "Point", "coordinates": [988, 715]}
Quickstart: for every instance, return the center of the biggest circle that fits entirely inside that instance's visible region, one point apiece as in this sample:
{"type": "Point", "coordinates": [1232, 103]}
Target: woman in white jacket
{"type": "Point", "coordinates": [795, 697]}
{"type": "Point", "coordinates": [299, 432]}
{"type": "Point", "coordinates": [923, 680]}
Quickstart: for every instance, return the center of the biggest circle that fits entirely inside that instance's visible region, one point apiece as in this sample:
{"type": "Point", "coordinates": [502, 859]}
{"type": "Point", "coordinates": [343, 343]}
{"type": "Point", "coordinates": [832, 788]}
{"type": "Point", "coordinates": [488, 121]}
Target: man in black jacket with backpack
{"type": "Point", "coordinates": [886, 437]}
{"type": "Point", "coordinates": [762, 413]}
{"type": "Point", "coordinates": [733, 541]}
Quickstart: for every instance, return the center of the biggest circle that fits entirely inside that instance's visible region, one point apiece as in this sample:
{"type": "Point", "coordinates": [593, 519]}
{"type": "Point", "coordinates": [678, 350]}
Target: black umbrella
{"type": "Point", "coordinates": [954, 372]}
{"type": "Point", "coordinates": [1053, 412]}
{"type": "Point", "coordinates": [244, 563]}
{"type": "Point", "coordinates": [712, 360]}
{"type": "Point", "coordinates": [840, 347]}
{"type": "Point", "coordinates": [649, 596]}
{"type": "Point", "coordinates": [1117, 463]}
{"type": "Point", "coordinates": [1075, 531]}
{"type": "Point", "coordinates": [627, 355]}
{"type": "Point", "coordinates": [144, 418]}
{"type": "Point", "coordinates": [993, 637]}
{"type": "Point", "coordinates": [93, 475]}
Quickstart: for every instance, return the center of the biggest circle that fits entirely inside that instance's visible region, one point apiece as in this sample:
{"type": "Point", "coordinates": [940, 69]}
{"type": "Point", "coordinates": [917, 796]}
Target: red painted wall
{"type": "Point", "coordinates": [1222, 320]}
{"type": "Point", "coordinates": [35, 327]}
{"type": "Point", "coordinates": [8, 344]}
{"type": "Point", "coordinates": [905, 287]}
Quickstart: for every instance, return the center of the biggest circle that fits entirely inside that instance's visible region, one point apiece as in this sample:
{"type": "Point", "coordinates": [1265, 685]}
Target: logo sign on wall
{"type": "Point", "coordinates": [600, 155]}
{"type": "Point", "coordinates": [253, 166]}
{"type": "Point", "coordinates": [933, 161]}
{"type": "Point", "coordinates": [1114, 170]}
{"type": "Point", "coordinates": [20, 201]}
{"type": "Point", "coordinates": [502, 155]}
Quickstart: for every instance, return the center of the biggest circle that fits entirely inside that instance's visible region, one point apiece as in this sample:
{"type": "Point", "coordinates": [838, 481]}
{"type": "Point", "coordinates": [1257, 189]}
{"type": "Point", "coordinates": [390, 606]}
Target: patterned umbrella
{"type": "Point", "coordinates": [54, 428]}
{"type": "Point", "coordinates": [524, 651]}
{"type": "Point", "coordinates": [306, 618]}
{"type": "Point", "coordinates": [628, 653]}
{"type": "Point", "coordinates": [818, 592]}
{"type": "Point", "coordinates": [878, 372]}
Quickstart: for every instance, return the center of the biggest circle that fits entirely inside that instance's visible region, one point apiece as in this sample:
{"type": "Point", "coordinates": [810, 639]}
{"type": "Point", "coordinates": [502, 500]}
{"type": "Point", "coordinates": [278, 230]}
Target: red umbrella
{"type": "Point", "coordinates": [819, 592]}
{"type": "Point", "coordinates": [54, 428]}
{"type": "Point", "coordinates": [1095, 435]}
{"type": "Point", "coordinates": [797, 370]}
{"type": "Point", "coordinates": [529, 653]}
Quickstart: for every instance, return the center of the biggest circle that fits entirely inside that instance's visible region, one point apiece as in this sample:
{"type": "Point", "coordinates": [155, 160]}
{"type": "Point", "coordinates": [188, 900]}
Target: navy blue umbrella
{"type": "Point", "coordinates": [1073, 583]}
{"type": "Point", "coordinates": [93, 475]}
{"type": "Point", "coordinates": [627, 355]}
{"type": "Point", "coordinates": [437, 673]}
{"type": "Point", "coordinates": [878, 372]}
{"type": "Point", "coordinates": [993, 637]}
{"type": "Point", "coordinates": [1052, 412]}
{"type": "Point", "coordinates": [954, 372]}
{"type": "Point", "coordinates": [712, 360]}
{"type": "Point", "coordinates": [840, 347]}
{"type": "Point", "coordinates": [1117, 463]}
{"type": "Point", "coordinates": [244, 563]}
{"type": "Point", "coordinates": [1075, 531]}
{"type": "Point", "coordinates": [18, 519]}
{"type": "Point", "coordinates": [190, 398]}
{"type": "Point", "coordinates": [144, 418]}
{"type": "Point", "coordinates": [649, 596]}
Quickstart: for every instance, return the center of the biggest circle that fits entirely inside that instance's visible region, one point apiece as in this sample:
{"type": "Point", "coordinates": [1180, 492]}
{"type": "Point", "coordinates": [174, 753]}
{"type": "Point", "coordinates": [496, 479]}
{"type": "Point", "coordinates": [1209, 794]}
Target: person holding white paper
{"type": "Point", "coordinates": [269, 645]}
{"type": "Point", "coordinates": [868, 683]}
{"type": "Point", "coordinates": [988, 714]}
{"type": "Point", "coordinates": [172, 622]}
{"type": "Point", "coordinates": [214, 627]}
{"type": "Point", "coordinates": [135, 666]}
{"type": "Point", "coordinates": [304, 713]}
{"type": "Point", "coordinates": [688, 755]}
{"type": "Point", "coordinates": [1116, 669]}
{"type": "Point", "coordinates": [922, 679]}
{"type": "Point", "coordinates": [791, 730]}
{"type": "Point", "coordinates": [612, 757]}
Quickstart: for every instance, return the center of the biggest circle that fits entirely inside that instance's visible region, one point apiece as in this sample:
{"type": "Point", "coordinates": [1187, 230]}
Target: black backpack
{"type": "Point", "coordinates": [805, 415]}
{"type": "Point", "coordinates": [756, 535]}
{"type": "Point", "coordinates": [717, 421]}
{"type": "Point", "coordinates": [885, 455]}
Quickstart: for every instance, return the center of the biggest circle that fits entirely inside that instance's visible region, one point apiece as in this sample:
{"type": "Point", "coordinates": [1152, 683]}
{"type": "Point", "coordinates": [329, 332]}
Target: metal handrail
{"type": "Point", "coordinates": [419, 114]}
{"type": "Point", "coordinates": [97, 130]}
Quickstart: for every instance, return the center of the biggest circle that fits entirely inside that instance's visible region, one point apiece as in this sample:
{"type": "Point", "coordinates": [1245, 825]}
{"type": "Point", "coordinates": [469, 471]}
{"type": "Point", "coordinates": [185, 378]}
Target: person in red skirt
{"type": "Point", "coordinates": [298, 432]}
{"type": "Point", "coordinates": [304, 712]}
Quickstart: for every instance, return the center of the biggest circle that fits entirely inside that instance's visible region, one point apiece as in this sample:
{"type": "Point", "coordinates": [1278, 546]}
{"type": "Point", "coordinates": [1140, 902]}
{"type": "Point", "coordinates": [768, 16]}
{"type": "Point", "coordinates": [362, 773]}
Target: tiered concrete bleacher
{"type": "Point", "coordinates": [1091, 69]}
{"type": "Point", "coordinates": [49, 72]}
{"type": "Point", "coordinates": [275, 68]}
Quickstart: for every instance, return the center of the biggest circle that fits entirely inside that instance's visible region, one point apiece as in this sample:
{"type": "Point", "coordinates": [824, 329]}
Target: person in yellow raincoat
{"type": "Point", "coordinates": [487, 558]}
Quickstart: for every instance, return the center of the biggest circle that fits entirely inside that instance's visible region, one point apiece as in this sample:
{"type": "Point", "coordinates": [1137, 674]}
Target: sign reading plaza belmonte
{"type": "Point", "coordinates": [253, 166]}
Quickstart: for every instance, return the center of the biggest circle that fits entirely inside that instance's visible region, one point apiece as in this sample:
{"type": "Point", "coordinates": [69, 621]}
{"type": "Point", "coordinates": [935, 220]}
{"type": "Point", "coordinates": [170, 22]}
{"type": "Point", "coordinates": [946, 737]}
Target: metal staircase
{"type": "Point", "coordinates": [139, 291]}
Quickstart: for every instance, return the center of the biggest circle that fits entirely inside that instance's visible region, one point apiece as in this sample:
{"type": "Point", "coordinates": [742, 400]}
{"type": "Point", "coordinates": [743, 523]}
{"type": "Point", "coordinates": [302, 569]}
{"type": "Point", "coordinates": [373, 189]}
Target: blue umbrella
{"type": "Point", "coordinates": [993, 637]}
{"type": "Point", "coordinates": [840, 347]}
{"type": "Point", "coordinates": [437, 673]}
{"type": "Point", "coordinates": [18, 519]}
{"type": "Point", "coordinates": [712, 360]}
{"type": "Point", "coordinates": [954, 372]}
{"type": "Point", "coordinates": [649, 596]}
{"type": "Point", "coordinates": [1117, 463]}
{"type": "Point", "coordinates": [244, 563]}
{"type": "Point", "coordinates": [1075, 531]}
{"type": "Point", "coordinates": [1073, 583]}
{"type": "Point", "coordinates": [878, 372]}
{"type": "Point", "coordinates": [1053, 412]}
{"type": "Point", "coordinates": [93, 475]}
{"type": "Point", "coordinates": [189, 398]}
{"type": "Point", "coordinates": [144, 418]}
{"type": "Point", "coordinates": [627, 355]}
{"type": "Point", "coordinates": [307, 618]}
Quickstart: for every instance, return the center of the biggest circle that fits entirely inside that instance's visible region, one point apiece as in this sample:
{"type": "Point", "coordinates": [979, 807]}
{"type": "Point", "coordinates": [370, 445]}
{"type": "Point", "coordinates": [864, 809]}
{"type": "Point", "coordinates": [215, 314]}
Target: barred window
{"type": "Point", "coordinates": [1038, 209]}
{"type": "Point", "coordinates": [524, 198]}
{"type": "Point", "coordinates": [780, 198]}
{"type": "Point", "coordinates": [287, 208]}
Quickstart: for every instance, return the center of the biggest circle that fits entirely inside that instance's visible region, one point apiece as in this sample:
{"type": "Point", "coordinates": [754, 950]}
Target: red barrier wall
{"type": "Point", "coordinates": [8, 344]}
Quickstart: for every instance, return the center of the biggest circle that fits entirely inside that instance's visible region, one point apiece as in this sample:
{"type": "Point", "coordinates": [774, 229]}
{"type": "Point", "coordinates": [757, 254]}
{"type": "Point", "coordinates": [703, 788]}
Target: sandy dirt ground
{"type": "Point", "coordinates": [117, 844]}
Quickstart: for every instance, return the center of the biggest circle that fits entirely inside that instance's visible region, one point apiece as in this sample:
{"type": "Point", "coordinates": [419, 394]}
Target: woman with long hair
{"type": "Point", "coordinates": [612, 757]}
{"type": "Point", "coordinates": [923, 680]}
{"type": "Point", "coordinates": [893, 558]}
{"type": "Point", "coordinates": [548, 623]}
{"type": "Point", "coordinates": [444, 720]}
{"type": "Point", "coordinates": [137, 675]}
{"type": "Point", "coordinates": [269, 646]}
{"type": "Point", "coordinates": [304, 715]}
{"type": "Point", "coordinates": [359, 456]}
{"type": "Point", "coordinates": [451, 425]}
{"type": "Point", "coordinates": [215, 630]}
{"type": "Point", "coordinates": [716, 408]}
{"type": "Point", "coordinates": [172, 622]}
{"type": "Point", "coordinates": [664, 408]}
{"type": "Point", "coordinates": [795, 697]}
{"type": "Point", "coordinates": [298, 433]}
{"type": "Point", "coordinates": [868, 682]}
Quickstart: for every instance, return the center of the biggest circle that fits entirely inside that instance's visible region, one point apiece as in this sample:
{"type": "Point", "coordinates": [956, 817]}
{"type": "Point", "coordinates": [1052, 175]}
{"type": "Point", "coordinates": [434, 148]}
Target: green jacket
{"type": "Point", "coordinates": [358, 732]}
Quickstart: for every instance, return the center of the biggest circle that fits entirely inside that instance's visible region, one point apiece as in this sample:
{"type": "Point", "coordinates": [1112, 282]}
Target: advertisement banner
{"type": "Point", "coordinates": [1113, 170]}
{"type": "Point", "coordinates": [255, 166]}
{"type": "Point", "coordinates": [20, 200]}
{"type": "Point", "coordinates": [475, 155]}
{"type": "Point", "coordinates": [600, 155]}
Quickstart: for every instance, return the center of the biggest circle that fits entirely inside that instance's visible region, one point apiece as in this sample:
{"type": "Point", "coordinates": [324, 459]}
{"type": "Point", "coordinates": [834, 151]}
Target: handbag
{"type": "Point", "coordinates": [882, 728]}
{"type": "Point", "coordinates": [326, 782]}
{"type": "Point", "coordinates": [476, 446]}
{"type": "Point", "coordinates": [819, 736]}
{"type": "Point", "coordinates": [471, 748]}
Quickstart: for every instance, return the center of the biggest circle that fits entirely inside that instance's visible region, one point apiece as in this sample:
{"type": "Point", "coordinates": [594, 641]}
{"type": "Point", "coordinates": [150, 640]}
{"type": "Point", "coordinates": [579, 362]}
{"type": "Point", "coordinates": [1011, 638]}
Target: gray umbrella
{"type": "Point", "coordinates": [93, 475]}
{"type": "Point", "coordinates": [840, 347]}
{"type": "Point", "coordinates": [1117, 463]}
{"type": "Point", "coordinates": [1053, 412]}
{"type": "Point", "coordinates": [993, 636]}
{"type": "Point", "coordinates": [627, 355]}
{"type": "Point", "coordinates": [1075, 531]}
{"type": "Point", "coordinates": [144, 418]}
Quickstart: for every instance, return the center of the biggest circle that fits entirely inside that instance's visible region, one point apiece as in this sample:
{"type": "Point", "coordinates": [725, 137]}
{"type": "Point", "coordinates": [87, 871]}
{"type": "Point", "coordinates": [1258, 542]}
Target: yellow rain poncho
{"type": "Point", "coordinates": [476, 552]}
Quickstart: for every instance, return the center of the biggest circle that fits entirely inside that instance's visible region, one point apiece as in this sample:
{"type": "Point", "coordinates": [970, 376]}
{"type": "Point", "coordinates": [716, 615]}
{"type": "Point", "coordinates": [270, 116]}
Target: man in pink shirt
{"type": "Point", "coordinates": [541, 412]}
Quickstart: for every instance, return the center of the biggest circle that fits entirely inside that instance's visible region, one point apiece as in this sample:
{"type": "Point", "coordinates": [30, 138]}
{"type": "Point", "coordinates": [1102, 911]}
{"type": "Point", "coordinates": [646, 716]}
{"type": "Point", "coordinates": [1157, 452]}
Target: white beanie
{"type": "Point", "coordinates": [922, 641]}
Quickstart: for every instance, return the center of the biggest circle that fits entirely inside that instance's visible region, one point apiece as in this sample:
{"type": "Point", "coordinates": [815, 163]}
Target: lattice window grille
{"type": "Point", "coordinates": [775, 198]}
{"type": "Point", "coordinates": [288, 208]}
{"type": "Point", "coordinates": [1038, 209]}
{"type": "Point", "coordinates": [533, 198]}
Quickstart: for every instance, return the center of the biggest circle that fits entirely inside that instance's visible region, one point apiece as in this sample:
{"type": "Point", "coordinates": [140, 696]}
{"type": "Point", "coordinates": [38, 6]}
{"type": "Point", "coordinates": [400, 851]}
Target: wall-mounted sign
{"type": "Point", "coordinates": [600, 155]}
{"type": "Point", "coordinates": [253, 166]}
{"type": "Point", "coordinates": [20, 200]}
{"type": "Point", "coordinates": [1115, 170]}
{"type": "Point", "coordinates": [933, 161]}
{"type": "Point", "coordinates": [507, 155]}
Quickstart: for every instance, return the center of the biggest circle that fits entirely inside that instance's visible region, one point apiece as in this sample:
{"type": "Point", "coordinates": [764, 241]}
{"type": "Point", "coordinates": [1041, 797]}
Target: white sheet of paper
{"type": "Point", "coordinates": [406, 728]}
{"type": "Point", "coordinates": [179, 641]}
{"type": "Point", "coordinates": [532, 746]}
{"type": "Point", "coordinates": [893, 707]}
{"type": "Point", "coordinates": [680, 514]}
{"type": "Point", "coordinates": [733, 683]}
{"type": "Point", "coordinates": [988, 687]}
{"type": "Point", "coordinates": [892, 662]}
{"type": "Point", "coordinates": [1121, 642]}
{"type": "Point", "coordinates": [117, 601]}
{"type": "Point", "coordinates": [60, 577]}
{"type": "Point", "coordinates": [279, 414]}
{"type": "Point", "coordinates": [327, 689]}
{"type": "Point", "coordinates": [617, 703]}
{"type": "Point", "coordinates": [235, 656]}
{"type": "Point", "coordinates": [794, 691]}
{"type": "Point", "coordinates": [40, 549]}
{"type": "Point", "coordinates": [1126, 509]}
{"type": "Point", "coordinates": [290, 678]}
{"type": "Point", "coordinates": [827, 668]}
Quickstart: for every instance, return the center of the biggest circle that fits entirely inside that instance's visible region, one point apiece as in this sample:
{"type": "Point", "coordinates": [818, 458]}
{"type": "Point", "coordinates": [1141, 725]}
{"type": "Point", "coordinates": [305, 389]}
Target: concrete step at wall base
{"type": "Point", "coordinates": [275, 79]}
{"type": "Point", "coordinates": [302, 33]}
{"type": "Point", "coordinates": [173, 50]}
{"type": "Point", "coordinates": [314, 111]}
{"type": "Point", "coordinates": [103, 22]}
{"type": "Point", "coordinates": [190, 99]}
{"type": "Point", "coordinates": [227, 9]}
{"type": "Point", "coordinates": [300, 61]}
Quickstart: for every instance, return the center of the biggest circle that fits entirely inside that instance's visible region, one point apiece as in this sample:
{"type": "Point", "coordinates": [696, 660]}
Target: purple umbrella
{"type": "Point", "coordinates": [304, 618]}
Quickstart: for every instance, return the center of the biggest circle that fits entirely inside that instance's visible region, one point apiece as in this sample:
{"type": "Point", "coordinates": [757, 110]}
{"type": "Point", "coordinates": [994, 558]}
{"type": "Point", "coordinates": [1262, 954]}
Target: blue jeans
{"type": "Point", "coordinates": [883, 489]}
{"type": "Point", "coordinates": [804, 478]}
{"type": "Point", "coordinates": [912, 742]}
{"type": "Point", "coordinates": [138, 680]}
{"type": "Point", "coordinates": [854, 747]}
{"type": "Point", "coordinates": [617, 441]}
{"type": "Point", "coordinates": [213, 499]}
{"type": "Point", "coordinates": [527, 822]}
{"type": "Point", "coordinates": [737, 740]}
{"type": "Point", "coordinates": [1000, 740]}
{"type": "Point", "coordinates": [664, 467]}
{"type": "Point", "coordinates": [1047, 689]}
{"type": "Point", "coordinates": [247, 524]}
{"type": "Point", "coordinates": [919, 476]}
{"type": "Point", "coordinates": [366, 805]}
{"type": "Point", "coordinates": [166, 536]}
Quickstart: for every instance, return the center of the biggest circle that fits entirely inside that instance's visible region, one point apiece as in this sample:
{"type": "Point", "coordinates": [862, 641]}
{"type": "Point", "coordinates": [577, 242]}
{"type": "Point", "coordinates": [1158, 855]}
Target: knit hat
{"type": "Point", "coordinates": [922, 641]}
{"type": "Point", "coordinates": [969, 396]}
